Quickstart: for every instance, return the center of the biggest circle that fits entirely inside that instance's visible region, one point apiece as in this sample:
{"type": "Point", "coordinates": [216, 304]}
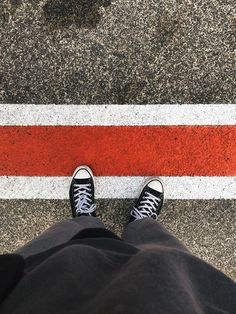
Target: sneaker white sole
{"type": "Point", "coordinates": [83, 167]}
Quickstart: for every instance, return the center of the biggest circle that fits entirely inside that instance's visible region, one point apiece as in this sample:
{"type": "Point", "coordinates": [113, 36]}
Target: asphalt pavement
{"type": "Point", "coordinates": [103, 51]}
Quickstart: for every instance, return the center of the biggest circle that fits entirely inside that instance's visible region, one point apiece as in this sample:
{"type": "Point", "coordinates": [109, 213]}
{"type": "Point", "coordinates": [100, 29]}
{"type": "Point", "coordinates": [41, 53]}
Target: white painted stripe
{"type": "Point", "coordinates": [117, 114]}
{"type": "Point", "coordinates": [118, 187]}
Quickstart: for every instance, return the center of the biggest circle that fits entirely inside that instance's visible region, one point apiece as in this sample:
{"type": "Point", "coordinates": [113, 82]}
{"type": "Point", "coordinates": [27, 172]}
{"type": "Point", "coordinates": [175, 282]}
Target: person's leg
{"type": "Point", "coordinates": [59, 233]}
{"type": "Point", "coordinates": [143, 229]}
{"type": "Point", "coordinates": [147, 232]}
{"type": "Point", "coordinates": [83, 210]}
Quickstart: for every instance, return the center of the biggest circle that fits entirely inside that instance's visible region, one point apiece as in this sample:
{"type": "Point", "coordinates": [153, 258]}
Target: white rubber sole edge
{"type": "Point", "coordinates": [83, 167]}
{"type": "Point", "coordinates": [23, 187]}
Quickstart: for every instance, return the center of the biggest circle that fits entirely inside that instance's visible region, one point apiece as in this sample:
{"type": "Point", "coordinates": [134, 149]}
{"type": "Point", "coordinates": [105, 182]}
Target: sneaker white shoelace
{"type": "Point", "coordinates": [147, 207]}
{"type": "Point", "coordinates": [83, 199]}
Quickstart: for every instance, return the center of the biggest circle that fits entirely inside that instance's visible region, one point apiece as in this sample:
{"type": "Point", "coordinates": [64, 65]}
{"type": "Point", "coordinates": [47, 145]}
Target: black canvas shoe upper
{"type": "Point", "coordinates": [148, 205]}
{"type": "Point", "coordinates": [82, 196]}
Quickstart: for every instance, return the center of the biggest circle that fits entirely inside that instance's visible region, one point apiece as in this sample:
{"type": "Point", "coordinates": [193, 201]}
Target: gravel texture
{"type": "Point", "coordinates": [106, 51]}
{"type": "Point", "coordinates": [206, 227]}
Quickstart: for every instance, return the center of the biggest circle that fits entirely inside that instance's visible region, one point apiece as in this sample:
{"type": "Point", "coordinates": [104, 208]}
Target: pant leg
{"type": "Point", "coordinates": [147, 233]}
{"type": "Point", "coordinates": [59, 233]}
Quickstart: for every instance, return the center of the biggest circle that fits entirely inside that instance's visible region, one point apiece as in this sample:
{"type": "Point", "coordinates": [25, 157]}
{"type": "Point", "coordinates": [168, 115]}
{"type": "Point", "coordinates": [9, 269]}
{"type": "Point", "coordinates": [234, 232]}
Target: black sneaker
{"type": "Point", "coordinates": [82, 192]}
{"type": "Point", "coordinates": [150, 201]}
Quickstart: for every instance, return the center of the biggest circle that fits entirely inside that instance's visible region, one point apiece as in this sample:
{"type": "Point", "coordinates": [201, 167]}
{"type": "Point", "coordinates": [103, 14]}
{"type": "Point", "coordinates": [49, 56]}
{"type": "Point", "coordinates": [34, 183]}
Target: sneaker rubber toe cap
{"type": "Point", "coordinates": [82, 174]}
{"type": "Point", "coordinates": [156, 185]}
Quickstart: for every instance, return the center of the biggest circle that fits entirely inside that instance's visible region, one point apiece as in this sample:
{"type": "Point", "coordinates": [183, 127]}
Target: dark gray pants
{"type": "Point", "coordinates": [143, 233]}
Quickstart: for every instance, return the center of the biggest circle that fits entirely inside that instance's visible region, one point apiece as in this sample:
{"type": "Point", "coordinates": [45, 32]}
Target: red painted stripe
{"type": "Point", "coordinates": [118, 150]}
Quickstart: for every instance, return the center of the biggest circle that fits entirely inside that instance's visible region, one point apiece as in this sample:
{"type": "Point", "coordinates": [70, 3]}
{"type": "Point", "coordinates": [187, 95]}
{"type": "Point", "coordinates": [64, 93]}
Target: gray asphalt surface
{"type": "Point", "coordinates": [206, 227]}
{"type": "Point", "coordinates": [103, 51]}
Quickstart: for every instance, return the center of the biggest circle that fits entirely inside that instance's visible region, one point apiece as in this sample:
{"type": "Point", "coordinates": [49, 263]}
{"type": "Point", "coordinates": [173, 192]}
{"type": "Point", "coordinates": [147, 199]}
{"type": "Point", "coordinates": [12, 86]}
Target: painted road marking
{"type": "Point", "coordinates": [118, 150]}
{"type": "Point", "coordinates": [118, 187]}
{"type": "Point", "coordinates": [192, 147]}
{"type": "Point", "coordinates": [117, 114]}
